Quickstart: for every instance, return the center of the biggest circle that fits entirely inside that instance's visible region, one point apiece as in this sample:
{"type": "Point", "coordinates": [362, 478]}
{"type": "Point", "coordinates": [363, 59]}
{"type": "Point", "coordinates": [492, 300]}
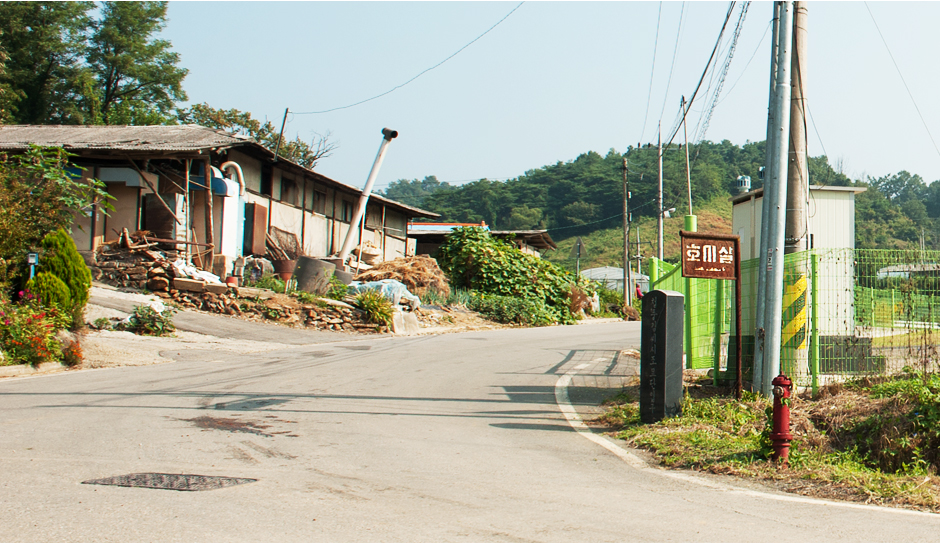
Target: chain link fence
{"type": "Point", "coordinates": [846, 313]}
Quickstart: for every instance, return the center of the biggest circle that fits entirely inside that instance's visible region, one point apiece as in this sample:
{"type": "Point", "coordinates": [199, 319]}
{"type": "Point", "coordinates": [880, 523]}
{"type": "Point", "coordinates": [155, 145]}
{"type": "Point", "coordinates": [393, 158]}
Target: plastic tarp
{"type": "Point", "coordinates": [188, 270]}
{"type": "Point", "coordinates": [393, 290]}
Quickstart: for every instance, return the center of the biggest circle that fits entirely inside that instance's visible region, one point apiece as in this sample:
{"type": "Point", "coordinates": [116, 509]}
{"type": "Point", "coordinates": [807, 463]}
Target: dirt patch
{"type": "Point", "coordinates": [235, 426]}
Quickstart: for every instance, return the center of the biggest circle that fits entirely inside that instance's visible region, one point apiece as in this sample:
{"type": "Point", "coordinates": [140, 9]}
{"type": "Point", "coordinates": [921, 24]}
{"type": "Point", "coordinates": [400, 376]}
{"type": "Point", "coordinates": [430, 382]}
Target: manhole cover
{"type": "Point", "coordinates": [170, 481]}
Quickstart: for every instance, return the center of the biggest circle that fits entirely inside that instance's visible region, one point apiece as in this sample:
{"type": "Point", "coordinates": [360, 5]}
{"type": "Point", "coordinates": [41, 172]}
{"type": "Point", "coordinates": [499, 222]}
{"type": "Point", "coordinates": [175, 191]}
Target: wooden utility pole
{"type": "Point", "coordinates": [796, 237]}
{"type": "Point", "coordinates": [627, 295]}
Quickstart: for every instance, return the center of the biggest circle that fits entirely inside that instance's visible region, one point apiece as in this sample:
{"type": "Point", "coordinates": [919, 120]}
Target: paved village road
{"type": "Point", "coordinates": [455, 437]}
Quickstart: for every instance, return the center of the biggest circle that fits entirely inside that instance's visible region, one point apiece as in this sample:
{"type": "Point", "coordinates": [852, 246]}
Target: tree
{"type": "Point", "coordinates": [307, 154]}
{"type": "Point", "coordinates": [413, 192]}
{"type": "Point", "coordinates": [136, 76]}
{"type": "Point", "coordinates": [44, 72]}
{"type": "Point", "coordinates": [37, 196]}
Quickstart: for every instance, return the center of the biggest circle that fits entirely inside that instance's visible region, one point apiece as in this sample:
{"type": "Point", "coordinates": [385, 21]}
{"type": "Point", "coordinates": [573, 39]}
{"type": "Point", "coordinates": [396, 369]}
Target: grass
{"type": "Point", "coordinates": [916, 337]}
{"type": "Point", "coordinates": [863, 441]}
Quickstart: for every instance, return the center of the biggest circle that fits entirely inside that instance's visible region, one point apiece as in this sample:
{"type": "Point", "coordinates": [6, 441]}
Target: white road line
{"type": "Point", "coordinates": [574, 420]}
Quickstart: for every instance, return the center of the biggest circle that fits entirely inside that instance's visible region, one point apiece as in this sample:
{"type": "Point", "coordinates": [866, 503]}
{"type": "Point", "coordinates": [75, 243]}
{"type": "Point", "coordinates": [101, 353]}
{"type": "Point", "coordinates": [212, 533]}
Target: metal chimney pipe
{"type": "Point", "coordinates": [387, 136]}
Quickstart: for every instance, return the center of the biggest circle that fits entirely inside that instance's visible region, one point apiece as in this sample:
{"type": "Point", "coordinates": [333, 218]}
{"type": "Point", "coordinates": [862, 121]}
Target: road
{"type": "Point", "coordinates": [456, 437]}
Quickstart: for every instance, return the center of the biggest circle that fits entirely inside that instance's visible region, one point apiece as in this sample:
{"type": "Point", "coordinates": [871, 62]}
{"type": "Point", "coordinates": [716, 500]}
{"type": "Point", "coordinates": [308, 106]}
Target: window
{"type": "Point", "coordinates": [346, 213]}
{"type": "Point", "coordinates": [289, 193]}
{"type": "Point", "coordinates": [319, 202]}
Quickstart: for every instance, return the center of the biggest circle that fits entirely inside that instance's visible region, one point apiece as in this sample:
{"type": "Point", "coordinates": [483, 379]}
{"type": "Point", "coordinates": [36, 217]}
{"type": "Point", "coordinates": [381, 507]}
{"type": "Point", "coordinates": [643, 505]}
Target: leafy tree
{"type": "Point", "coordinates": [65, 67]}
{"type": "Point", "coordinates": [135, 75]}
{"type": "Point", "coordinates": [307, 154]}
{"type": "Point", "coordinates": [413, 192]}
{"type": "Point", "coordinates": [44, 72]}
{"type": "Point", "coordinates": [37, 196]}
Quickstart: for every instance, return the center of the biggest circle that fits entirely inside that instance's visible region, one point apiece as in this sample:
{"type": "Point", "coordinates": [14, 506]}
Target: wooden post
{"type": "Point", "coordinates": [210, 223]}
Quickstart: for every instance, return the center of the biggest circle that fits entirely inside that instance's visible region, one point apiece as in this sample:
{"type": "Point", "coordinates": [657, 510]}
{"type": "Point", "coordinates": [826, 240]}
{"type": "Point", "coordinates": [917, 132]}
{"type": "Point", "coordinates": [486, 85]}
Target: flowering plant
{"type": "Point", "coordinates": [27, 331]}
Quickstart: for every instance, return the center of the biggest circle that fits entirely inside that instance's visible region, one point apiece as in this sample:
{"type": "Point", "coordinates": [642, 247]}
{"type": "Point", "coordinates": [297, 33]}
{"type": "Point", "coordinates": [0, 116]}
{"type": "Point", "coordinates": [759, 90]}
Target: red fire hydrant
{"type": "Point", "coordinates": [780, 435]}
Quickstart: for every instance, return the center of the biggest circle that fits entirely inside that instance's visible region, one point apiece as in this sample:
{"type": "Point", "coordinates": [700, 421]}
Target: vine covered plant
{"type": "Point", "coordinates": [473, 259]}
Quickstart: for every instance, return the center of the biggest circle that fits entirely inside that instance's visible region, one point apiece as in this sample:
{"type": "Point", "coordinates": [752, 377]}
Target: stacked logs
{"type": "Point", "coordinates": [132, 261]}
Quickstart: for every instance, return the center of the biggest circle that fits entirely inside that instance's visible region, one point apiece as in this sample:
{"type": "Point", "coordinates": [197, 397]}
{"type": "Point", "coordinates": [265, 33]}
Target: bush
{"type": "Point", "coordinates": [511, 310]}
{"type": "Point", "coordinates": [377, 307]}
{"type": "Point", "coordinates": [28, 332]}
{"type": "Point", "coordinates": [474, 260]}
{"type": "Point", "coordinates": [50, 290]}
{"type": "Point", "coordinates": [61, 259]}
{"type": "Point", "coordinates": [147, 321]}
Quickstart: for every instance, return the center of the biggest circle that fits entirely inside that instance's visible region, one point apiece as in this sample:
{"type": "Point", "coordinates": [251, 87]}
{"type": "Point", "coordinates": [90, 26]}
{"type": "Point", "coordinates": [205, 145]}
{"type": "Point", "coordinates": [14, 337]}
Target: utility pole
{"type": "Point", "coordinates": [796, 234]}
{"type": "Point", "coordinates": [627, 294]}
{"type": "Point", "coordinates": [659, 197]}
{"type": "Point", "coordinates": [797, 173]}
{"type": "Point", "coordinates": [688, 171]}
{"type": "Point", "coordinates": [759, 325]}
{"type": "Point", "coordinates": [775, 197]}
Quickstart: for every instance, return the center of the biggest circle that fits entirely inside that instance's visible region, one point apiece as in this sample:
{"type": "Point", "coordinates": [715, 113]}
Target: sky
{"type": "Point", "coordinates": [554, 80]}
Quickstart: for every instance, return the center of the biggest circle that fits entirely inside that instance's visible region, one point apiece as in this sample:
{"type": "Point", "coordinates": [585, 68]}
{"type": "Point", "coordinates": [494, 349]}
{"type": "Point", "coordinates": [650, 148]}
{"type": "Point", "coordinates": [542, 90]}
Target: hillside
{"type": "Point", "coordinates": [605, 247]}
{"type": "Point", "coordinates": [584, 197]}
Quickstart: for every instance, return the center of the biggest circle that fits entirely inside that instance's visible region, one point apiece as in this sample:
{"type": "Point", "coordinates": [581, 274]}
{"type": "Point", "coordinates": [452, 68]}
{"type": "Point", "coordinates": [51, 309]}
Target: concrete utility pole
{"type": "Point", "coordinates": [659, 197]}
{"type": "Point", "coordinates": [797, 238]}
{"type": "Point", "coordinates": [759, 324]}
{"type": "Point", "coordinates": [627, 293]}
{"type": "Point", "coordinates": [685, 132]}
{"type": "Point", "coordinates": [775, 197]}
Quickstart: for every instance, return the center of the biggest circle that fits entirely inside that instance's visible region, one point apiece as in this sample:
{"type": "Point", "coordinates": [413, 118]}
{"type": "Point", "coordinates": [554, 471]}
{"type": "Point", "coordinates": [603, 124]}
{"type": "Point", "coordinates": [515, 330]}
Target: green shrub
{"type": "Point", "coordinates": [50, 290]}
{"type": "Point", "coordinates": [473, 259]}
{"type": "Point", "coordinates": [378, 308]}
{"type": "Point", "coordinates": [147, 321]}
{"type": "Point", "coordinates": [511, 310]}
{"type": "Point", "coordinates": [61, 259]}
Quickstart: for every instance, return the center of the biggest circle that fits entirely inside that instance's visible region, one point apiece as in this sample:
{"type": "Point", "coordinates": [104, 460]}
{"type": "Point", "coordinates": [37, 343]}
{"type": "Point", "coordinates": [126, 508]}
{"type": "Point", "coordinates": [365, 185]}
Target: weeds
{"type": "Point", "coordinates": [378, 308]}
{"type": "Point", "coordinates": [864, 441]}
{"type": "Point", "coordinates": [147, 321]}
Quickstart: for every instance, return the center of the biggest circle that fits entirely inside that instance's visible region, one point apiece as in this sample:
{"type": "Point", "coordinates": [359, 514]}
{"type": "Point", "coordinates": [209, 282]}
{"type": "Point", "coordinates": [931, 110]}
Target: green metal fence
{"type": "Point", "coordinates": [846, 313]}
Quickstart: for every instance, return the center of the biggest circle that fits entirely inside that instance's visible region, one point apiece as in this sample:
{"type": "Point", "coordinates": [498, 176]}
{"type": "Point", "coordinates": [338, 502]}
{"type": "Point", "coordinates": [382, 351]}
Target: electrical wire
{"type": "Point", "coordinates": [417, 76]}
{"type": "Point", "coordinates": [652, 71]}
{"type": "Point", "coordinates": [754, 54]}
{"type": "Point", "coordinates": [675, 53]}
{"type": "Point", "coordinates": [896, 67]}
{"type": "Point", "coordinates": [707, 64]}
{"type": "Point", "coordinates": [724, 72]}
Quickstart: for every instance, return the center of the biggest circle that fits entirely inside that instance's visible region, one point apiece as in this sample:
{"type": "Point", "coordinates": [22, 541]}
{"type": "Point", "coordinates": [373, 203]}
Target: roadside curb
{"type": "Point", "coordinates": [21, 370]}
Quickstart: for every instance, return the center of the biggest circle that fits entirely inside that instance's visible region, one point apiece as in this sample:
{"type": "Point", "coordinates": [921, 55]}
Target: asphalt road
{"type": "Point", "coordinates": [457, 437]}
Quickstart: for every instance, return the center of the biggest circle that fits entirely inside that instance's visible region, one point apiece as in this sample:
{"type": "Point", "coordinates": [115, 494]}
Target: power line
{"type": "Point", "coordinates": [675, 53]}
{"type": "Point", "coordinates": [707, 64]}
{"type": "Point", "coordinates": [754, 54]}
{"type": "Point", "coordinates": [896, 67]}
{"type": "Point", "coordinates": [417, 76]}
{"type": "Point", "coordinates": [652, 71]}
{"type": "Point", "coordinates": [724, 71]}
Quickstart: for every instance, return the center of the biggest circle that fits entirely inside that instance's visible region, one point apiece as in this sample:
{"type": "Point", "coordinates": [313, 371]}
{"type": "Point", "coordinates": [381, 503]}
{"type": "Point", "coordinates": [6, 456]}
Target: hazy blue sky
{"type": "Point", "coordinates": [555, 79]}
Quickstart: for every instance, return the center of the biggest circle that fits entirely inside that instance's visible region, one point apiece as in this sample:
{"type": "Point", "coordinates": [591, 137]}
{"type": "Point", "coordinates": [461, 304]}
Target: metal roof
{"type": "Point", "coordinates": [759, 193]}
{"type": "Point", "coordinates": [186, 137]}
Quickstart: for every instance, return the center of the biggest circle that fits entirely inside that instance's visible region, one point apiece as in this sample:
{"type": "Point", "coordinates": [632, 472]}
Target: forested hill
{"type": "Point", "coordinates": [586, 194]}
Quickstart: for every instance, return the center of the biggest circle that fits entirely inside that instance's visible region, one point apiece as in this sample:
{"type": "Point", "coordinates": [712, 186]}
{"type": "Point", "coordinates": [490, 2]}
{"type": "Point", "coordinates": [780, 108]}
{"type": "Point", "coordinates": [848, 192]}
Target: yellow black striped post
{"type": "Point", "coordinates": [793, 335]}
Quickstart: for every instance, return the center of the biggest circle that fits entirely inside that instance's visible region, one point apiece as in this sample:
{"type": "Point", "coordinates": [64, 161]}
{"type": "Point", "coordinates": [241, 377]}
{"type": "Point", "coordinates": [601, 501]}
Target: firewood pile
{"type": "Point", "coordinates": [134, 261]}
{"type": "Point", "coordinates": [419, 273]}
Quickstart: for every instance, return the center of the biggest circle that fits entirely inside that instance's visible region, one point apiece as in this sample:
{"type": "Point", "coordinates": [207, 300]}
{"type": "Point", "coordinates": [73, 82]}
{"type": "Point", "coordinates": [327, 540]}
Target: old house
{"type": "Point", "coordinates": [158, 175]}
